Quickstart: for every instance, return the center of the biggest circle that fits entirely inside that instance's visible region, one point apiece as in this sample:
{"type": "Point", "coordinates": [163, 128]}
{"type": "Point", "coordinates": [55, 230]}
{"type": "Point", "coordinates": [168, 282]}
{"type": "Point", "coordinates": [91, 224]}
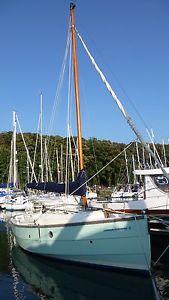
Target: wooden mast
{"type": "Point", "coordinates": [77, 98]}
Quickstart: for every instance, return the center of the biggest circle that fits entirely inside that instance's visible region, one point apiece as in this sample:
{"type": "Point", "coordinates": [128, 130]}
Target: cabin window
{"type": "Point", "coordinates": [50, 234]}
{"type": "Point", "coordinates": [161, 180]}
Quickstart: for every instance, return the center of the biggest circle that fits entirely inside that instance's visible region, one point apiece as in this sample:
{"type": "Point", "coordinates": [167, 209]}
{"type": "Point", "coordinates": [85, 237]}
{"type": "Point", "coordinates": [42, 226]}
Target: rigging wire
{"type": "Point", "coordinates": [57, 94]}
{"type": "Point", "coordinates": [68, 120]}
{"type": "Point", "coordinates": [27, 151]}
{"type": "Point", "coordinates": [56, 100]}
{"type": "Point", "coordinates": [58, 89]}
{"type": "Point", "coordinates": [121, 107]}
{"type": "Point", "coordinates": [36, 144]}
{"type": "Point", "coordinates": [113, 159]}
{"type": "Point", "coordinates": [118, 82]}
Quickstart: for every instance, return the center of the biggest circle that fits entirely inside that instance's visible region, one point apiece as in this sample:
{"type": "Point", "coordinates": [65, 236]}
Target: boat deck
{"type": "Point", "coordinates": [60, 217]}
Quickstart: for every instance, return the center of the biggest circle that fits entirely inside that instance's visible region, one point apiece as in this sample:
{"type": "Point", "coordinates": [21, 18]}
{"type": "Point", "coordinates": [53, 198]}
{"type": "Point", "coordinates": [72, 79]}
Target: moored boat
{"type": "Point", "coordinates": [154, 200]}
{"type": "Point", "coordinates": [89, 237]}
{"type": "Point", "coordinates": [85, 235]}
{"type": "Point", "coordinates": [17, 203]}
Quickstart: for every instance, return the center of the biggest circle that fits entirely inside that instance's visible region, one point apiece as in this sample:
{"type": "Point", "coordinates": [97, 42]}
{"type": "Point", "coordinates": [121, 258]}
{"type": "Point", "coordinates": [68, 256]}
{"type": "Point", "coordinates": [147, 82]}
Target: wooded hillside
{"type": "Point", "coordinates": [97, 153]}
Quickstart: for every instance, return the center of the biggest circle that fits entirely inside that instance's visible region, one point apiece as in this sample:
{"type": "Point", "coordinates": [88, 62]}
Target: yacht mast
{"type": "Point", "coordinates": [14, 151]}
{"type": "Point", "coordinates": [41, 139]}
{"type": "Point", "coordinates": [61, 163]}
{"type": "Point", "coordinates": [58, 166]}
{"type": "Point", "coordinates": [77, 98]}
{"type": "Point", "coordinates": [127, 169]}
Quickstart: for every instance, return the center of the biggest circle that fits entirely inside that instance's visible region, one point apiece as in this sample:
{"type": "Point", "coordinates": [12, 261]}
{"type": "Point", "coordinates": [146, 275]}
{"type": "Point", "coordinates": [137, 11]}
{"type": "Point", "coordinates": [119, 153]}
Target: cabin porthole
{"type": "Point", "coordinates": [50, 234]}
{"type": "Point", "coordinates": [91, 242]}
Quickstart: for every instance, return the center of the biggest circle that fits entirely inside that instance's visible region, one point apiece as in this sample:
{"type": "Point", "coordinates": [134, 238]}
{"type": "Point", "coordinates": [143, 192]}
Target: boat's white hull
{"type": "Point", "coordinates": [14, 207]}
{"type": "Point", "coordinates": [154, 198]}
{"type": "Point", "coordinates": [124, 195]}
{"type": "Point", "coordinates": [153, 205]}
{"type": "Point", "coordinates": [2, 200]}
{"type": "Point", "coordinates": [120, 243]}
{"type": "Point", "coordinates": [17, 205]}
{"type": "Point", "coordinates": [143, 204]}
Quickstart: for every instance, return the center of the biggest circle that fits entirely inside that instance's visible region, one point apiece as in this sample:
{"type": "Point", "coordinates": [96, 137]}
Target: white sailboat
{"type": "Point", "coordinates": [127, 191]}
{"type": "Point", "coordinates": [153, 198]}
{"type": "Point", "coordinates": [83, 235]}
{"type": "Point", "coordinates": [15, 200]}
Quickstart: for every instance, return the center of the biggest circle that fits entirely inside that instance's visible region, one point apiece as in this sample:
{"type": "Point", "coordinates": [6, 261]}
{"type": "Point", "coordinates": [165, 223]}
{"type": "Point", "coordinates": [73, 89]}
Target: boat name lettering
{"type": "Point", "coordinates": [114, 229]}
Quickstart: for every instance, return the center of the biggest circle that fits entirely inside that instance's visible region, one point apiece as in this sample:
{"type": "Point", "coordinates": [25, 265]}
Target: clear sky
{"type": "Point", "coordinates": [129, 40]}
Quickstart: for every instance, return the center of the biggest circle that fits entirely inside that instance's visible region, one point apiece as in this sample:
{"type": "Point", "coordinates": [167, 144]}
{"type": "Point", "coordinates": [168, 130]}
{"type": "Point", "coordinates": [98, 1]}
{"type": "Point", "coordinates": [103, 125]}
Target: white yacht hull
{"type": "Point", "coordinates": [14, 207]}
{"type": "Point", "coordinates": [154, 202]}
{"type": "Point", "coordinates": [17, 205]}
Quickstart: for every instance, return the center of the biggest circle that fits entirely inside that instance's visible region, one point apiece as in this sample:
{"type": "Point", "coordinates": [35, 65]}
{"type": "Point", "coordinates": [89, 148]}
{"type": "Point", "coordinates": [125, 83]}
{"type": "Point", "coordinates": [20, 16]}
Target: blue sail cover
{"type": "Point", "coordinates": [60, 187]}
{"type": "Point", "coordinates": [6, 185]}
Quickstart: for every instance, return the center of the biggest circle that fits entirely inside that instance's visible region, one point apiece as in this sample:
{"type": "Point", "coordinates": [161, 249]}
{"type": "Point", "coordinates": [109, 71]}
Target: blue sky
{"type": "Point", "coordinates": [130, 42]}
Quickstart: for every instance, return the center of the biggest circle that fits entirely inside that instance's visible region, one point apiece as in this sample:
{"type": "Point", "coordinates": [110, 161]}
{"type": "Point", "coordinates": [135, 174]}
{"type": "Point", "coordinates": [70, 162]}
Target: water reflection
{"type": "Point", "coordinates": [162, 278]}
{"type": "Point", "coordinates": [12, 286]}
{"type": "Point", "coordinates": [62, 281]}
{"type": "Point", "coordinates": [160, 262]}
